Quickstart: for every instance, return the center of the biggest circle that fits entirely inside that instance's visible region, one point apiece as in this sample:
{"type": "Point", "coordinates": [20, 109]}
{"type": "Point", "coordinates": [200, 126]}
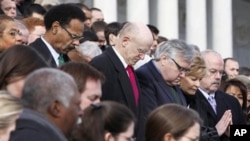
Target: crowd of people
{"type": "Point", "coordinates": [67, 75]}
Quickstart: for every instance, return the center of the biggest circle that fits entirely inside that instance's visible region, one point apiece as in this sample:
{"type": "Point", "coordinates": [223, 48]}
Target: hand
{"type": "Point", "coordinates": [224, 123]}
{"type": "Point", "coordinates": [228, 129]}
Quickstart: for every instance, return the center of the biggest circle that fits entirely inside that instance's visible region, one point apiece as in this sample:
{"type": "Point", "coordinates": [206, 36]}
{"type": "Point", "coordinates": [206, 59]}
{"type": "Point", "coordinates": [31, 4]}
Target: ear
{"type": "Point", "coordinates": [55, 27]}
{"type": "Point", "coordinates": [163, 60]}
{"type": "Point", "coordinates": [108, 137]}
{"type": "Point", "coordinates": [55, 109]}
{"type": "Point", "coordinates": [168, 137]}
{"type": "Point", "coordinates": [125, 41]}
{"type": "Point", "coordinates": [112, 39]}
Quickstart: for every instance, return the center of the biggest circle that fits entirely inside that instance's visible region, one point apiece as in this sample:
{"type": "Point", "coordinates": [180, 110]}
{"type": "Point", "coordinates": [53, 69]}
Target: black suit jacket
{"type": "Point", "coordinates": [43, 50]}
{"type": "Point", "coordinates": [117, 86]}
{"type": "Point", "coordinates": [32, 126]}
{"type": "Point", "coordinates": [224, 102]}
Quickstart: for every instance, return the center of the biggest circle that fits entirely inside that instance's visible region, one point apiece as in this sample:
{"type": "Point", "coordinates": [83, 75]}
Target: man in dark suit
{"type": "Point", "coordinates": [64, 28]}
{"type": "Point", "coordinates": [132, 42]}
{"type": "Point", "coordinates": [159, 77]}
{"type": "Point", "coordinates": [51, 107]}
{"type": "Point", "coordinates": [225, 109]}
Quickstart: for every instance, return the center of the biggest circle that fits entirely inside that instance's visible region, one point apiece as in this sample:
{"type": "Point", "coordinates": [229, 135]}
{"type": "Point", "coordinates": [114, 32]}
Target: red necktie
{"type": "Point", "coordinates": [133, 83]}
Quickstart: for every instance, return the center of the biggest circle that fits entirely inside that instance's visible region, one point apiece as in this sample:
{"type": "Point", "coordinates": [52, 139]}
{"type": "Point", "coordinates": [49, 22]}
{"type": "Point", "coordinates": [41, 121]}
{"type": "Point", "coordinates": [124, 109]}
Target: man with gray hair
{"type": "Point", "coordinates": [159, 77]}
{"type": "Point", "coordinates": [51, 102]}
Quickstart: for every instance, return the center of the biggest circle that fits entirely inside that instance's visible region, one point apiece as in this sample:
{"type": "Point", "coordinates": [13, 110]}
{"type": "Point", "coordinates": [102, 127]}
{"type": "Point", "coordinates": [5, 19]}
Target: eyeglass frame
{"type": "Point", "coordinates": [179, 67]}
{"type": "Point", "coordinates": [73, 36]}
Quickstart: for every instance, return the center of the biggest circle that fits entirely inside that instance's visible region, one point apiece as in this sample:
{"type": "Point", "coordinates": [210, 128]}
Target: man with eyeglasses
{"type": "Point", "coordinates": [159, 77]}
{"type": "Point", "coordinates": [64, 25]}
{"type": "Point", "coordinates": [116, 63]}
{"type": "Point", "coordinates": [217, 109]}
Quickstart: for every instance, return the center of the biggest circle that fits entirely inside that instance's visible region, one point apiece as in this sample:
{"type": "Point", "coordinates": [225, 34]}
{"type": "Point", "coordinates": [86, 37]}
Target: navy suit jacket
{"type": "Point", "coordinates": [155, 91]}
{"type": "Point", "coordinates": [224, 102]}
{"type": "Point", "coordinates": [43, 50]}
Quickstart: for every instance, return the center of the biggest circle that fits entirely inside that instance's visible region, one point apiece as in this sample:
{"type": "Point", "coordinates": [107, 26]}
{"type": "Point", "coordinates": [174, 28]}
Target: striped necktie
{"type": "Point", "coordinates": [212, 102]}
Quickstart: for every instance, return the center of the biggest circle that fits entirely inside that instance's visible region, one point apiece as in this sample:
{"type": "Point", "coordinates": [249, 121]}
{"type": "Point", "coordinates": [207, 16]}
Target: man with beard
{"type": "Point", "coordinates": [64, 29]}
{"type": "Point", "coordinates": [217, 109]}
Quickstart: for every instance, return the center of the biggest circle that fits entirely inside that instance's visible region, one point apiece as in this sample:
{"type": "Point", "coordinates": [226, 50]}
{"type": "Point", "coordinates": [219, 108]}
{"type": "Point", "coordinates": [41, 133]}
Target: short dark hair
{"type": "Point", "coordinates": [34, 8]}
{"type": "Point", "coordinates": [80, 72]}
{"type": "Point", "coordinates": [153, 29]}
{"type": "Point", "coordinates": [112, 28]}
{"type": "Point", "coordinates": [63, 13]}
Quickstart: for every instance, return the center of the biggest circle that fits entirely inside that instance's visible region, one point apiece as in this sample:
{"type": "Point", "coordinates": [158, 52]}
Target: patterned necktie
{"type": "Point", "coordinates": [212, 102]}
{"type": "Point", "coordinates": [60, 59]}
{"type": "Point", "coordinates": [133, 83]}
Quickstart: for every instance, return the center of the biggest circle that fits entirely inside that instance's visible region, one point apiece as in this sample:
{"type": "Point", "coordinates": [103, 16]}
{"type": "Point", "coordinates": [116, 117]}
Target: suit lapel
{"type": "Point", "coordinates": [205, 104]}
{"type": "Point", "coordinates": [165, 88]}
{"type": "Point", "coordinates": [43, 50]}
{"type": "Point", "coordinates": [221, 106]}
{"type": "Point", "coordinates": [123, 78]}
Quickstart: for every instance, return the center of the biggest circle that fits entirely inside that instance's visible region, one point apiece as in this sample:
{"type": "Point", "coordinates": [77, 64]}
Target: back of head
{"type": "Point", "coordinates": [34, 8]}
{"type": "Point", "coordinates": [63, 13]}
{"type": "Point", "coordinates": [11, 107]}
{"type": "Point", "coordinates": [31, 22]}
{"type": "Point", "coordinates": [89, 49]}
{"type": "Point", "coordinates": [18, 61]}
{"type": "Point", "coordinates": [89, 36]}
{"type": "Point", "coordinates": [174, 48]}
{"type": "Point", "coordinates": [80, 72]}
{"type": "Point", "coordinates": [47, 85]}
{"type": "Point", "coordinates": [170, 118]}
{"type": "Point", "coordinates": [153, 29]}
{"type": "Point", "coordinates": [112, 28]}
{"type": "Point", "coordinates": [98, 26]}
{"type": "Point", "coordinates": [104, 117]}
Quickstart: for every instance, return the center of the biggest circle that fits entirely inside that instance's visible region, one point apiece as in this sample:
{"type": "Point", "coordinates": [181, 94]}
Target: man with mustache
{"type": "Point", "coordinates": [217, 109]}
{"type": "Point", "coordinates": [64, 30]}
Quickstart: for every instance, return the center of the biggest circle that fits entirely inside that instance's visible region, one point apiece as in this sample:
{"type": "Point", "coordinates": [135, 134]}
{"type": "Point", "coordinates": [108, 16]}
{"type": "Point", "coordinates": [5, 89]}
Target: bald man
{"type": "Point", "coordinates": [133, 41]}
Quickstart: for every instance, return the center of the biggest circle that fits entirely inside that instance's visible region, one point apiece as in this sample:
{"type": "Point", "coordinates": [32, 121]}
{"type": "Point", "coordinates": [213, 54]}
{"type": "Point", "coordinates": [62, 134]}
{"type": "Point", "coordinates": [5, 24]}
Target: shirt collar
{"type": "Point", "coordinates": [206, 94]}
{"type": "Point", "coordinates": [53, 52]}
{"type": "Point", "coordinates": [120, 58]}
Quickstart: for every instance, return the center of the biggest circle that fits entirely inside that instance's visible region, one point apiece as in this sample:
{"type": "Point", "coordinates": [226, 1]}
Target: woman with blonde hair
{"type": "Point", "coordinates": [10, 109]}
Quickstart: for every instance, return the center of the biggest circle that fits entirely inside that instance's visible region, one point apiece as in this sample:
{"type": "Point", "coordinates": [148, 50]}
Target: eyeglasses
{"type": "Point", "coordinates": [180, 68]}
{"type": "Point", "coordinates": [72, 36]}
{"type": "Point", "coordinates": [15, 32]}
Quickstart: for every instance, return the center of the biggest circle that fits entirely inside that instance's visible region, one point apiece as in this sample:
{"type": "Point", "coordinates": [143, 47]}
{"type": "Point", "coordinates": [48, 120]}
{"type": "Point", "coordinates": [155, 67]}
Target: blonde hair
{"type": "Point", "coordinates": [10, 107]}
{"type": "Point", "coordinates": [197, 67]}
